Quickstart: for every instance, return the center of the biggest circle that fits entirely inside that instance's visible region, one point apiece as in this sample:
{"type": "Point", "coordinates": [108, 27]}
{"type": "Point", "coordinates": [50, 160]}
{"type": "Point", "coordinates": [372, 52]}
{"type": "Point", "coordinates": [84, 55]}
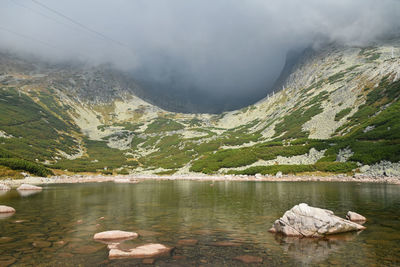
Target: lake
{"type": "Point", "coordinates": [55, 227]}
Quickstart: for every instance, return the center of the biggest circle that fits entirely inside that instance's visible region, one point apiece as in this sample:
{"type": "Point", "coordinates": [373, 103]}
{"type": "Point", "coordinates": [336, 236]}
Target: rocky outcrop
{"type": "Point", "coordinates": [145, 251]}
{"type": "Point", "coordinates": [29, 187]}
{"type": "Point", "coordinates": [305, 221]}
{"type": "Point", "coordinates": [6, 209]}
{"type": "Point", "coordinates": [4, 187]}
{"type": "Point", "coordinates": [115, 235]}
{"type": "Point", "coordinates": [355, 217]}
{"type": "Point", "coordinates": [383, 168]}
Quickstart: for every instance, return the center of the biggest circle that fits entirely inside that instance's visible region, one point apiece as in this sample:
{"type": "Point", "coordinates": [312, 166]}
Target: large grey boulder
{"type": "Point", "coordinates": [305, 221]}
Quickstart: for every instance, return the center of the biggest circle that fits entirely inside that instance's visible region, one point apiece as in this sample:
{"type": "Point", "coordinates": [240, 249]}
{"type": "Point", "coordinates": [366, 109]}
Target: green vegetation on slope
{"type": "Point", "coordinates": [33, 127]}
{"type": "Point", "coordinates": [163, 125]}
{"type": "Point", "coordinates": [99, 155]}
{"type": "Point", "coordinates": [231, 158]}
{"type": "Point", "coordinates": [333, 167]}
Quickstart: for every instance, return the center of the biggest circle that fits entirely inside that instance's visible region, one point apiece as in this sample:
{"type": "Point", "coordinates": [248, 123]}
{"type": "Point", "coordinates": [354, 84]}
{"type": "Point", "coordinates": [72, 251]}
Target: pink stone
{"type": "Point", "coordinates": [145, 251]}
{"type": "Point", "coordinates": [28, 187]}
{"type": "Point", "coordinates": [6, 209]}
{"type": "Point", "coordinates": [355, 217]}
{"type": "Point", "coordinates": [115, 235]}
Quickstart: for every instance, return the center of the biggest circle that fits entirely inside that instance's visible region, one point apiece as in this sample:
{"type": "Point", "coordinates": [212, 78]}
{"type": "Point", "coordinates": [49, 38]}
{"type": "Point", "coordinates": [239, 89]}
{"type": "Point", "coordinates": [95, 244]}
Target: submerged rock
{"type": "Point", "coordinates": [188, 242]}
{"type": "Point", "coordinates": [248, 259]}
{"type": "Point", "coordinates": [305, 221]}
{"type": "Point", "coordinates": [355, 217]}
{"type": "Point", "coordinates": [115, 235]}
{"type": "Point", "coordinates": [145, 251]}
{"type": "Point", "coordinates": [29, 187]}
{"type": "Point", "coordinates": [4, 187]}
{"type": "Point", "coordinates": [6, 209]}
{"type": "Point", "coordinates": [225, 244]}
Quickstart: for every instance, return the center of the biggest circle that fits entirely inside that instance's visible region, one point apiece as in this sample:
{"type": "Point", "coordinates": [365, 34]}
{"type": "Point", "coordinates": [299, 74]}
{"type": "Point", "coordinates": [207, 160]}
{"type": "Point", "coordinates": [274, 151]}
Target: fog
{"type": "Point", "coordinates": [224, 52]}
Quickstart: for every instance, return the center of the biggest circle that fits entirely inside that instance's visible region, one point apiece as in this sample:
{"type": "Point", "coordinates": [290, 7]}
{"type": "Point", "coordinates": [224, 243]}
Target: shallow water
{"type": "Point", "coordinates": [167, 211]}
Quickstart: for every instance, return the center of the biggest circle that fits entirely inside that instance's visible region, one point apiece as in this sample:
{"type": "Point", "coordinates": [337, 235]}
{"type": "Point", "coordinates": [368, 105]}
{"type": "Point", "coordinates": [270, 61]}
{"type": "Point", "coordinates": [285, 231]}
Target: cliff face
{"type": "Point", "coordinates": [335, 112]}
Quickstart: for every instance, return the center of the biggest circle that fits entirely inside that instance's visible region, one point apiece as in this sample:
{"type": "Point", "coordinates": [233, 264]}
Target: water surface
{"type": "Point", "coordinates": [55, 227]}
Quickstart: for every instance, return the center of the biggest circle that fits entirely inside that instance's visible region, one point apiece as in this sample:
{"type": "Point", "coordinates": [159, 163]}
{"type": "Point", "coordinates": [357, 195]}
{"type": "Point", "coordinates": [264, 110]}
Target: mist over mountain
{"type": "Point", "coordinates": [206, 56]}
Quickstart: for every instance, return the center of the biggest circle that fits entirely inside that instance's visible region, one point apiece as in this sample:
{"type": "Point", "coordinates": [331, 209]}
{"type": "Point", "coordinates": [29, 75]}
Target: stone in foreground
{"type": "Point", "coordinates": [145, 251]}
{"type": "Point", "coordinates": [29, 187]}
{"type": "Point", "coordinates": [4, 187]}
{"type": "Point", "coordinates": [115, 235]}
{"type": "Point", "coordinates": [355, 217]}
{"type": "Point", "coordinates": [6, 209]}
{"type": "Point", "coordinates": [305, 221]}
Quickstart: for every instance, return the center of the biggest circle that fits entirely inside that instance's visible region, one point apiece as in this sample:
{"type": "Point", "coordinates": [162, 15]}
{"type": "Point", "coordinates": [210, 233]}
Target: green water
{"type": "Point", "coordinates": [167, 211]}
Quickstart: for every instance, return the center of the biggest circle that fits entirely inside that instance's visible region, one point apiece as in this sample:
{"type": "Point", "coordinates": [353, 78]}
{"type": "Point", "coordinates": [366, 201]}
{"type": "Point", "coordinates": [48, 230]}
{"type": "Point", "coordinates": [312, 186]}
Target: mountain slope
{"type": "Point", "coordinates": [337, 112]}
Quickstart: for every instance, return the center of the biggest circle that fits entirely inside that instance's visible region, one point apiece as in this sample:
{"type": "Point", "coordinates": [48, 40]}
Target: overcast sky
{"type": "Point", "coordinates": [218, 46]}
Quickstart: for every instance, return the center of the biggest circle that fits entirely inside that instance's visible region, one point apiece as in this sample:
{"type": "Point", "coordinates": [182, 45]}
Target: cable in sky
{"type": "Point", "coordinates": [29, 38]}
{"type": "Point", "coordinates": [80, 24]}
{"type": "Point", "coordinates": [42, 14]}
{"type": "Point", "coordinates": [44, 43]}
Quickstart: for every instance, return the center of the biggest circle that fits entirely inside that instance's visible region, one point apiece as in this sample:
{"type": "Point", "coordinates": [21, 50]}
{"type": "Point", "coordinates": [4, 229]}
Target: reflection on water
{"type": "Point", "coordinates": [26, 193]}
{"type": "Point", "coordinates": [313, 250]}
{"type": "Point", "coordinates": [5, 215]}
{"type": "Point", "coordinates": [56, 226]}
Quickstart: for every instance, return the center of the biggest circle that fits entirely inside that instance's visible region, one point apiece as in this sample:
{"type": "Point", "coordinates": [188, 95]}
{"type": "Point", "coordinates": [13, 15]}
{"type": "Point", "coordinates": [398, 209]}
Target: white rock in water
{"type": "Point", "coordinates": [125, 181]}
{"type": "Point", "coordinates": [355, 217]}
{"type": "Point", "coordinates": [6, 209]}
{"type": "Point", "coordinates": [278, 175]}
{"type": "Point", "coordinates": [305, 221]}
{"type": "Point", "coordinates": [29, 187]}
{"type": "Point", "coordinates": [4, 187]}
{"type": "Point", "coordinates": [115, 235]}
{"type": "Point", "coordinates": [145, 251]}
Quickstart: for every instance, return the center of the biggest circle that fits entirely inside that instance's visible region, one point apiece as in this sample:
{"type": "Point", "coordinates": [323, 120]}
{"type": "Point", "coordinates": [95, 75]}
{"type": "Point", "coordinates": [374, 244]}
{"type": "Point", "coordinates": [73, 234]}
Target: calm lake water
{"type": "Point", "coordinates": [168, 211]}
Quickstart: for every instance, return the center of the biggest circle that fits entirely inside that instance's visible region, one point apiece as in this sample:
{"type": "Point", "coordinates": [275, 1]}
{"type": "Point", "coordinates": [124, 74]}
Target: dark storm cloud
{"type": "Point", "coordinates": [217, 46]}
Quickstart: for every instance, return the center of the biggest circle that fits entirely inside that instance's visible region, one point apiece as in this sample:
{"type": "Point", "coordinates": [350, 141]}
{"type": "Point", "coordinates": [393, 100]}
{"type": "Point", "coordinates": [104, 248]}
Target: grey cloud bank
{"type": "Point", "coordinates": [210, 47]}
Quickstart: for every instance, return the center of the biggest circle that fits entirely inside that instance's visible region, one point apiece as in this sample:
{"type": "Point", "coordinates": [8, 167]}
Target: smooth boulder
{"type": "Point", "coordinates": [305, 221]}
{"type": "Point", "coordinates": [6, 209]}
{"type": "Point", "coordinates": [29, 187]}
{"type": "Point", "coordinates": [355, 217]}
{"type": "Point", "coordinates": [4, 187]}
{"type": "Point", "coordinates": [115, 235]}
{"type": "Point", "coordinates": [144, 251]}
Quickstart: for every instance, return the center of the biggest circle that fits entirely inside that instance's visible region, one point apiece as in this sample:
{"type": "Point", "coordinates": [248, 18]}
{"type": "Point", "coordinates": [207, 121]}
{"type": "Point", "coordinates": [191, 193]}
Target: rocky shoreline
{"type": "Point", "coordinates": [64, 179]}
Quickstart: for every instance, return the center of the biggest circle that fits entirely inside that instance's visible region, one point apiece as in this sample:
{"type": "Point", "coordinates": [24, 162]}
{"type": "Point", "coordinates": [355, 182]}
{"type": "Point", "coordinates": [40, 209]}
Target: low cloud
{"type": "Point", "coordinates": [217, 47]}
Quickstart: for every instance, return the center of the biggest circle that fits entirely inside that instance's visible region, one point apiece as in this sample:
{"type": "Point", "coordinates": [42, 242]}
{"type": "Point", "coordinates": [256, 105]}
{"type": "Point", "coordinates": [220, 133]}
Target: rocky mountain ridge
{"type": "Point", "coordinates": [336, 107]}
